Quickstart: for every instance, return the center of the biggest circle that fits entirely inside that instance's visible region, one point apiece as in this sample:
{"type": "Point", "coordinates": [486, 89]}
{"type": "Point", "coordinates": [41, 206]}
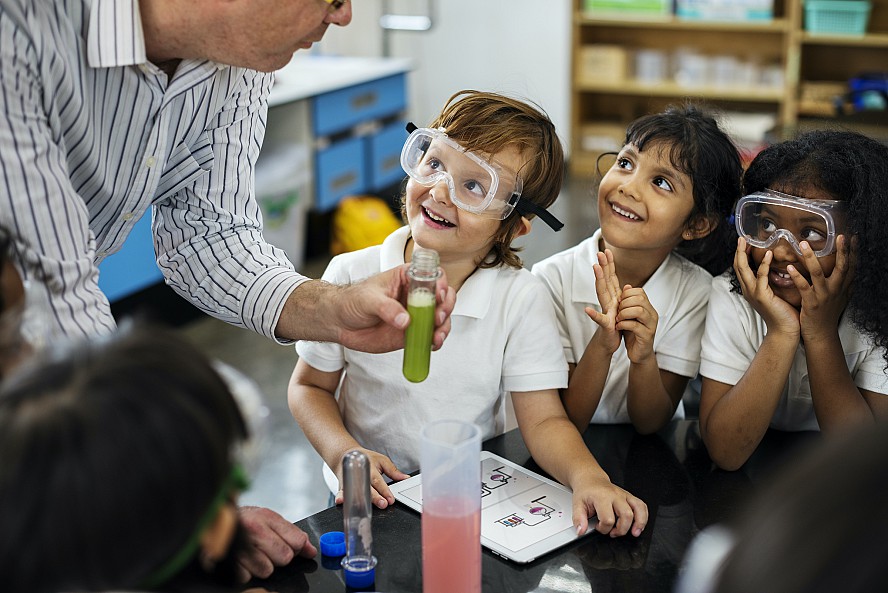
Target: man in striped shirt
{"type": "Point", "coordinates": [111, 107]}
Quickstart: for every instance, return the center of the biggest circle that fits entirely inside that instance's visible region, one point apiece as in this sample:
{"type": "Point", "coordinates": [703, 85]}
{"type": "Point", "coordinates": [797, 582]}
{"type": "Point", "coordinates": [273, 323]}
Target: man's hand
{"type": "Point", "coordinates": [369, 316]}
{"type": "Point", "coordinates": [272, 541]}
{"type": "Point", "coordinates": [372, 317]}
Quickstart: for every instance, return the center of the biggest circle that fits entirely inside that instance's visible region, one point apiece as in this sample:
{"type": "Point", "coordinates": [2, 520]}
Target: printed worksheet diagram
{"type": "Point", "coordinates": [517, 509]}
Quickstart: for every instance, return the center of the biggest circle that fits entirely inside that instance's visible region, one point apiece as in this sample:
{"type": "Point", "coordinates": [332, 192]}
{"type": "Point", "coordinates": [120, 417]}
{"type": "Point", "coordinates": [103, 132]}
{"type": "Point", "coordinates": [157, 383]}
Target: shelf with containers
{"type": "Point", "coordinates": [628, 64]}
{"type": "Point", "coordinates": [836, 53]}
{"type": "Point", "coordinates": [761, 64]}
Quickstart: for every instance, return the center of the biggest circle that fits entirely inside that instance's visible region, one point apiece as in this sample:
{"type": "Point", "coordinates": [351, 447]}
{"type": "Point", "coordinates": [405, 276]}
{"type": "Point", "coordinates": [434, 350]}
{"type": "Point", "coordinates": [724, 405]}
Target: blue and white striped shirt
{"type": "Point", "coordinates": [92, 135]}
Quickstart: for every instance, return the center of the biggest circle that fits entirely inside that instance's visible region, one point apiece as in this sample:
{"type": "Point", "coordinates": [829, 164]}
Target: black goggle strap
{"type": "Point", "coordinates": [525, 207]}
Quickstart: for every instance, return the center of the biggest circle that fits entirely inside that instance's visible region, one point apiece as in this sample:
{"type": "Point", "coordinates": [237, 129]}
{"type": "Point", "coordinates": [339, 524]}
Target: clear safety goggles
{"type": "Point", "coordinates": [476, 184]}
{"type": "Point", "coordinates": [765, 217]}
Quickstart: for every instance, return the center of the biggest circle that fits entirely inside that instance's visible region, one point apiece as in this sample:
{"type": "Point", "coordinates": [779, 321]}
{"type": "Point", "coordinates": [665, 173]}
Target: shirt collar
{"type": "Point", "coordinates": [115, 36]}
{"type": "Point", "coordinates": [657, 288]}
{"type": "Point", "coordinates": [474, 296]}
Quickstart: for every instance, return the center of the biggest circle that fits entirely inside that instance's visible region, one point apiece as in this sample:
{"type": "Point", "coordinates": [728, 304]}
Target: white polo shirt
{"type": "Point", "coordinates": [503, 338]}
{"type": "Point", "coordinates": [678, 290]}
{"type": "Point", "coordinates": [735, 332]}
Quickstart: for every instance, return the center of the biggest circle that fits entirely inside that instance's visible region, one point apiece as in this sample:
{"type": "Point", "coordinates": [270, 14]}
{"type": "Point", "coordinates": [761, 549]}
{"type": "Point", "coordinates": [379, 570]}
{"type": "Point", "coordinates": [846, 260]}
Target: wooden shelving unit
{"type": "Point", "coordinates": [806, 62]}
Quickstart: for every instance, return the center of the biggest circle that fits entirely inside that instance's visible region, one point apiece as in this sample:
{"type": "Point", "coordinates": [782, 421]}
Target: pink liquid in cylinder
{"type": "Point", "coordinates": [451, 551]}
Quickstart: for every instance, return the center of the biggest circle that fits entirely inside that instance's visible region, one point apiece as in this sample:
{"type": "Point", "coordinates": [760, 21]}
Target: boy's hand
{"type": "Point", "coordinates": [779, 315]}
{"type": "Point", "coordinates": [380, 465]}
{"type": "Point", "coordinates": [637, 320]}
{"type": "Point", "coordinates": [825, 298]}
{"type": "Point", "coordinates": [618, 512]}
{"type": "Point", "coordinates": [607, 287]}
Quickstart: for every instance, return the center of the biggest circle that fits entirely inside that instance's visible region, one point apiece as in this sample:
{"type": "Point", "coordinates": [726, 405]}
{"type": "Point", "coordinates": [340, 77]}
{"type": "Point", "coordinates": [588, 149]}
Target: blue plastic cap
{"type": "Point", "coordinates": [333, 543]}
{"type": "Point", "coordinates": [359, 580]}
{"type": "Point", "coordinates": [360, 574]}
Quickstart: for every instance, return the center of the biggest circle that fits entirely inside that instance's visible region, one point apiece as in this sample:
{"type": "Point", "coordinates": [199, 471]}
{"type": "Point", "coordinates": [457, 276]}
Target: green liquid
{"type": "Point", "coordinates": [418, 336]}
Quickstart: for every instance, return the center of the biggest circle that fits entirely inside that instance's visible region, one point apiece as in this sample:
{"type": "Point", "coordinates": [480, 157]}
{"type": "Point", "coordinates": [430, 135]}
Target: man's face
{"type": "Point", "coordinates": [264, 34]}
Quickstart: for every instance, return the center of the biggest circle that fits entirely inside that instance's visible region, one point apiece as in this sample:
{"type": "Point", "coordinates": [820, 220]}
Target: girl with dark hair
{"type": "Point", "coordinates": [799, 343]}
{"type": "Point", "coordinates": [663, 206]}
{"type": "Point", "coordinates": [120, 469]}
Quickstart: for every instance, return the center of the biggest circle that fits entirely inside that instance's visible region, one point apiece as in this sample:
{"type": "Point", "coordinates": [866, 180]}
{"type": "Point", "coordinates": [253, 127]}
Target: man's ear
{"type": "Point", "coordinates": [524, 227]}
{"type": "Point", "coordinates": [699, 226]}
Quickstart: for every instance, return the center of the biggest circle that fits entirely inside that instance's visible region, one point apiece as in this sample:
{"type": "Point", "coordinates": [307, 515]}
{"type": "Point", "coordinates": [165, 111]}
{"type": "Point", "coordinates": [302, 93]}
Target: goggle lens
{"type": "Point", "coordinates": [475, 184]}
{"type": "Point", "coordinates": [763, 221]}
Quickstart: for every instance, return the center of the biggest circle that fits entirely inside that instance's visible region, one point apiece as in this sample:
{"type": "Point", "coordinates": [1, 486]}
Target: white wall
{"type": "Point", "coordinates": [517, 47]}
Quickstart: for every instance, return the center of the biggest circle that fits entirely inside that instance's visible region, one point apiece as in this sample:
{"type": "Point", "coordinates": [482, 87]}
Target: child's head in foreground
{"type": "Point", "coordinates": [118, 468]}
{"type": "Point", "coordinates": [681, 173]}
{"type": "Point", "coordinates": [504, 164]}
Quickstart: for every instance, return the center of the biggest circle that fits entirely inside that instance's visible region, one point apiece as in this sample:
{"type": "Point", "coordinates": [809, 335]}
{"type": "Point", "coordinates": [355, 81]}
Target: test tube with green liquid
{"type": "Point", "coordinates": [423, 274]}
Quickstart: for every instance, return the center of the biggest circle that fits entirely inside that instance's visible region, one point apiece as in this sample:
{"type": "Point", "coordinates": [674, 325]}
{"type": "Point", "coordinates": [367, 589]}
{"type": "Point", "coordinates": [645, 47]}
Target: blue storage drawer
{"type": "Point", "coordinates": [339, 110]}
{"type": "Point", "coordinates": [384, 156]}
{"type": "Point", "coordinates": [339, 171]}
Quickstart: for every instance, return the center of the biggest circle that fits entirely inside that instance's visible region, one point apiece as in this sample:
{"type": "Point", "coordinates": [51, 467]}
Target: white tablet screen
{"type": "Point", "coordinates": [523, 514]}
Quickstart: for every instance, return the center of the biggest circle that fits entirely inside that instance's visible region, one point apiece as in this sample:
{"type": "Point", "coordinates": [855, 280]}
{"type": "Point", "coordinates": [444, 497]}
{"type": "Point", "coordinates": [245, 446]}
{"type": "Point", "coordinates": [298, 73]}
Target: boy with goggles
{"type": "Point", "coordinates": [504, 343]}
{"type": "Point", "coordinates": [477, 184]}
{"type": "Point", "coordinates": [766, 216]}
{"type": "Point", "coordinates": [796, 332]}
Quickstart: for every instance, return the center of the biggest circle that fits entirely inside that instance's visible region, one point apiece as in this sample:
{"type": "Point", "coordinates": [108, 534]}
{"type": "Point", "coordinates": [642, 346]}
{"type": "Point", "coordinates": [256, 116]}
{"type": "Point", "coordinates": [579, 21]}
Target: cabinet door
{"type": "Point", "coordinates": [339, 171]}
{"type": "Point", "coordinates": [384, 156]}
{"type": "Point", "coordinates": [340, 110]}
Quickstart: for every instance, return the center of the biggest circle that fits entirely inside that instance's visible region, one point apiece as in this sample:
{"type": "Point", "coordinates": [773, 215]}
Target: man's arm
{"type": "Point", "coordinates": [37, 201]}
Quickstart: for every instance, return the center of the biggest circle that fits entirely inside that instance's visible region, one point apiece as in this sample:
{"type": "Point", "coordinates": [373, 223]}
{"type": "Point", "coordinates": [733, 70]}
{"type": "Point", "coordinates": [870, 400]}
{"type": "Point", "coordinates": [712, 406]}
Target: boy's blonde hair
{"type": "Point", "coordinates": [488, 123]}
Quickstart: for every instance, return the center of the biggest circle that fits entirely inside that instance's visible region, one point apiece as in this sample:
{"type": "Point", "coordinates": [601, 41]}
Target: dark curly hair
{"type": "Point", "coordinates": [706, 154]}
{"type": "Point", "coordinates": [849, 167]}
{"type": "Point", "coordinates": [488, 123]}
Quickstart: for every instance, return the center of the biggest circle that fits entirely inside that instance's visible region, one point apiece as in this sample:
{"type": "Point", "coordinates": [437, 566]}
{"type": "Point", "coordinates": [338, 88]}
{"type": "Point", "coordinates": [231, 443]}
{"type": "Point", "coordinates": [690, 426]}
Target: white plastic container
{"type": "Point", "coordinates": [283, 183]}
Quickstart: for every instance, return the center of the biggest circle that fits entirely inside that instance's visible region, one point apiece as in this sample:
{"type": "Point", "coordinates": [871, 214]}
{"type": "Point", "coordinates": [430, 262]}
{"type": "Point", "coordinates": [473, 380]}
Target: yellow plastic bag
{"type": "Point", "coordinates": [361, 221]}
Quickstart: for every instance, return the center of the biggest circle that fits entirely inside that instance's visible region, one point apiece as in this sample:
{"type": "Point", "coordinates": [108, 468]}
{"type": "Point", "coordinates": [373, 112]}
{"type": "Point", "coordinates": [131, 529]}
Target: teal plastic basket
{"type": "Point", "coordinates": [837, 17]}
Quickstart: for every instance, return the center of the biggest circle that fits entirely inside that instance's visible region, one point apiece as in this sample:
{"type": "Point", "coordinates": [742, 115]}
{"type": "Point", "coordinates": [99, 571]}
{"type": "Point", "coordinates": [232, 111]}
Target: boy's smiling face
{"type": "Point", "coordinates": [437, 223]}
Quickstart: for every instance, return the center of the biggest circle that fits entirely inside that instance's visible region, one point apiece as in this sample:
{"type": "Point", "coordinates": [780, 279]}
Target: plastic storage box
{"type": "Point", "coordinates": [832, 17]}
{"type": "Point", "coordinates": [630, 9]}
{"type": "Point", "coordinates": [725, 10]}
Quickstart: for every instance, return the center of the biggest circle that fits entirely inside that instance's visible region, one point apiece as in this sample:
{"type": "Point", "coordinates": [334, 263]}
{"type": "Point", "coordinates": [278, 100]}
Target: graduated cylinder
{"type": "Point", "coordinates": [450, 463]}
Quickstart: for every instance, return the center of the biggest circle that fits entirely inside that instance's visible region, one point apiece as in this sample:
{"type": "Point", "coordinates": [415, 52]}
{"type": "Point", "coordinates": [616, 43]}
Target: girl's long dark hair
{"type": "Point", "coordinates": [853, 168]}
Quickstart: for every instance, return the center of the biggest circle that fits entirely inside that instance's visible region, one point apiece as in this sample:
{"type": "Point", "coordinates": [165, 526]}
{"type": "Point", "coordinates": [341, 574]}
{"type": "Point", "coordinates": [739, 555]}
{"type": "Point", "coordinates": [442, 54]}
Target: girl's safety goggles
{"type": "Point", "coordinates": [476, 184]}
{"type": "Point", "coordinates": [765, 217]}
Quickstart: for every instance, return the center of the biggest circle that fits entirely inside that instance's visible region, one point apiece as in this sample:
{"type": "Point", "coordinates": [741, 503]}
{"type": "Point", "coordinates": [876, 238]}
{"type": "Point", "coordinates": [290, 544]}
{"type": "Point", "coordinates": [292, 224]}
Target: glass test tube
{"type": "Point", "coordinates": [423, 275]}
{"type": "Point", "coordinates": [359, 562]}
